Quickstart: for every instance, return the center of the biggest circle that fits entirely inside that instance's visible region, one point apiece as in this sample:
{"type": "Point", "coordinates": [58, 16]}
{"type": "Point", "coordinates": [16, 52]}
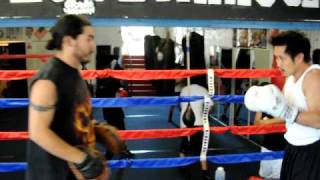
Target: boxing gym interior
{"type": "Point", "coordinates": [147, 43]}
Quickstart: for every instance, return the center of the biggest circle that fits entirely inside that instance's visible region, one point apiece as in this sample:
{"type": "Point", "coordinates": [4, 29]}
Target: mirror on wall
{"type": "Point", "coordinates": [148, 47]}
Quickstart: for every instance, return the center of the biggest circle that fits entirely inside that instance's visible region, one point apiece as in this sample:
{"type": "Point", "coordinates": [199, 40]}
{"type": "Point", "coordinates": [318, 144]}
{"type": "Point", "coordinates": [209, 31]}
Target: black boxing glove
{"type": "Point", "coordinates": [90, 168]}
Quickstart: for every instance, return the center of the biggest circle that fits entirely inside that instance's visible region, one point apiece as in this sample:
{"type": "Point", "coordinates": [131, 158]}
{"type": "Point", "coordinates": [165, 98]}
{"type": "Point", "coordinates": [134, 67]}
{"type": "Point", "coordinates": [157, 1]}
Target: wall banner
{"type": "Point", "coordinates": [267, 10]}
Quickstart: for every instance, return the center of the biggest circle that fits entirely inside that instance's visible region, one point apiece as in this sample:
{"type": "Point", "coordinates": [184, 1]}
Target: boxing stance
{"type": "Point", "coordinates": [299, 106]}
{"type": "Point", "coordinates": [63, 135]}
{"type": "Point", "coordinates": [270, 169]}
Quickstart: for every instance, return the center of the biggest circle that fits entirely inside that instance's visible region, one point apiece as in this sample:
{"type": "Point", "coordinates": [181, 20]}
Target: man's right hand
{"type": "Point", "coordinates": [269, 99]}
{"type": "Point", "coordinates": [92, 167]}
{"type": "Point", "coordinates": [105, 174]}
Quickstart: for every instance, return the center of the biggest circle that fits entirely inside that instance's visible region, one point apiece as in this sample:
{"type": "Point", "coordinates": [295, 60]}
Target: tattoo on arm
{"type": "Point", "coordinates": [41, 107]}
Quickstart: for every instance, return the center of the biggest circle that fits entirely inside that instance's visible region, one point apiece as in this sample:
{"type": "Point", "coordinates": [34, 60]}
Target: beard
{"type": "Point", "coordinates": [83, 54]}
{"type": "Point", "coordinates": [84, 58]}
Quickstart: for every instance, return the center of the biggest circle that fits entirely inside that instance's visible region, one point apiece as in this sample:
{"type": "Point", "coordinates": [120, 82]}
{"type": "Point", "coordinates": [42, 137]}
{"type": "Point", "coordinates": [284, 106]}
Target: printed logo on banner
{"type": "Point", "coordinates": [70, 6]}
{"type": "Point", "coordinates": [79, 7]}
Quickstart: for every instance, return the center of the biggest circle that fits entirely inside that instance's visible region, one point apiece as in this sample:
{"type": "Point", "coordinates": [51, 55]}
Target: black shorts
{"type": "Point", "coordinates": [301, 162]}
{"type": "Point", "coordinates": [274, 142]}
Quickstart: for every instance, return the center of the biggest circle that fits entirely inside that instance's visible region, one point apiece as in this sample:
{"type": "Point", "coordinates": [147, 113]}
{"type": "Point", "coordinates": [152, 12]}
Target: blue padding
{"type": "Point", "coordinates": [106, 22]}
{"type": "Point", "coordinates": [13, 167]}
{"type": "Point", "coordinates": [170, 162]}
{"type": "Point", "coordinates": [153, 163]}
{"type": "Point", "coordinates": [13, 102]}
{"type": "Point", "coordinates": [244, 158]}
{"type": "Point", "coordinates": [127, 102]}
{"type": "Point", "coordinates": [229, 99]}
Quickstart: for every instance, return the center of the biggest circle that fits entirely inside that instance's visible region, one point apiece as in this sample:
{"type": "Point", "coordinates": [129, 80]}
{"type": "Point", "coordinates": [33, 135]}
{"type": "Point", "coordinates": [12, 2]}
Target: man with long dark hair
{"type": "Point", "coordinates": [62, 142]}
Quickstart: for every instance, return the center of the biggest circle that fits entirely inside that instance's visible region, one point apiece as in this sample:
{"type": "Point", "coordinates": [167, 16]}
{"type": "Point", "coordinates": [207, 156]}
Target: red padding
{"type": "Point", "coordinates": [255, 178]}
{"type": "Point", "coordinates": [151, 74]}
{"type": "Point", "coordinates": [171, 133]}
{"type": "Point", "coordinates": [25, 56]}
{"type": "Point", "coordinates": [265, 129]}
{"type": "Point", "coordinates": [10, 136]}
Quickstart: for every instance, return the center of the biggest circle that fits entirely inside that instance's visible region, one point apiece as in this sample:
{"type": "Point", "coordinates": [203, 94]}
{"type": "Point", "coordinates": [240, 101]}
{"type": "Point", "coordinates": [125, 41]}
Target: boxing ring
{"type": "Point", "coordinates": [9, 75]}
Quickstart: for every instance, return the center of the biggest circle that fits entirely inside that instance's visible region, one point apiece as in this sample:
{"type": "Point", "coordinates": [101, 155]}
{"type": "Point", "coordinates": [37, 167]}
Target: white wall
{"type": "Point", "coordinates": [108, 35]}
{"type": "Point", "coordinates": [216, 38]}
{"type": "Point", "coordinates": [314, 37]}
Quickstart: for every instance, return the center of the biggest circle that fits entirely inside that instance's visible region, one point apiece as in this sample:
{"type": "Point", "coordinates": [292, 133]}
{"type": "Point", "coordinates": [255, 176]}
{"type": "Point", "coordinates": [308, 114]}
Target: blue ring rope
{"type": "Point", "coordinates": [169, 162]}
{"type": "Point", "coordinates": [130, 101]}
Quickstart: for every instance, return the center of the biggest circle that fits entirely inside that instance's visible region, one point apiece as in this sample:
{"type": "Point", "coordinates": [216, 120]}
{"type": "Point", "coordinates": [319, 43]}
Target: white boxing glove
{"type": "Point", "coordinates": [270, 100]}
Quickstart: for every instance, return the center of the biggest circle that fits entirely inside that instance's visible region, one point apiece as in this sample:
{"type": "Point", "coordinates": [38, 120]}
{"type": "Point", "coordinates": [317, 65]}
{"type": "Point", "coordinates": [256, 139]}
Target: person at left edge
{"type": "Point", "coordinates": [62, 143]}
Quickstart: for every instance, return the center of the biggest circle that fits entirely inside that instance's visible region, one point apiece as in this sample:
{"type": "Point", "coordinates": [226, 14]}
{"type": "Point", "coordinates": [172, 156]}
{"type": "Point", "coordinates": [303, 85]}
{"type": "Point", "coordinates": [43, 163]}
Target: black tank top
{"type": "Point", "coordinates": [71, 121]}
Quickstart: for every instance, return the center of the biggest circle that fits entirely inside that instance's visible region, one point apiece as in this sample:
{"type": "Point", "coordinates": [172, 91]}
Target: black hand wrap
{"type": "Point", "coordinates": [91, 167]}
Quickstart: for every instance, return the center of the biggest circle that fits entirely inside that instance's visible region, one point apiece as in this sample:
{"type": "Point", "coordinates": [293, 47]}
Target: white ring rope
{"type": "Point", "coordinates": [210, 75]}
{"type": "Point", "coordinates": [205, 116]}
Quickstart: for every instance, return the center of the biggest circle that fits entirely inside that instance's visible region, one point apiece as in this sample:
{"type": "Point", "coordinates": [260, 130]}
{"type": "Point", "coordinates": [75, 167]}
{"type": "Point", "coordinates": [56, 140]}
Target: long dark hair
{"type": "Point", "coordinates": [69, 25]}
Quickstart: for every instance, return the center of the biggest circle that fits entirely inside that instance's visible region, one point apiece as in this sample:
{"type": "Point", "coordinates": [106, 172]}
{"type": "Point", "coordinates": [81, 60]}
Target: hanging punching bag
{"type": "Point", "coordinates": [189, 117]}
